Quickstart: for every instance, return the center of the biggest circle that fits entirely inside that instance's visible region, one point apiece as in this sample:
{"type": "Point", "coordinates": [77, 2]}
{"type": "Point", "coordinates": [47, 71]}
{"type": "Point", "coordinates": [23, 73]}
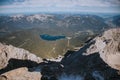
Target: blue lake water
{"type": "Point", "coordinates": [50, 37]}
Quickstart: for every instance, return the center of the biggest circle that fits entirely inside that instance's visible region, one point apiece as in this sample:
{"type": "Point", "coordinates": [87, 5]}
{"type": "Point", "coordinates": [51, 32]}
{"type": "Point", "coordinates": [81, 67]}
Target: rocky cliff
{"type": "Point", "coordinates": [100, 55]}
{"type": "Point", "coordinates": [14, 63]}
{"type": "Point", "coordinates": [108, 46]}
{"type": "Point", "coordinates": [20, 74]}
{"type": "Point", "coordinates": [8, 52]}
{"type": "Point", "coordinates": [98, 59]}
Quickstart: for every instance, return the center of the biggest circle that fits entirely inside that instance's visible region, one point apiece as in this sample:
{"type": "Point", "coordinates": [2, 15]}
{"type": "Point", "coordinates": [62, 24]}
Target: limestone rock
{"type": "Point", "coordinates": [20, 74]}
{"type": "Point", "coordinates": [97, 59]}
{"type": "Point", "coordinates": [108, 46]}
{"type": "Point", "coordinates": [8, 51]}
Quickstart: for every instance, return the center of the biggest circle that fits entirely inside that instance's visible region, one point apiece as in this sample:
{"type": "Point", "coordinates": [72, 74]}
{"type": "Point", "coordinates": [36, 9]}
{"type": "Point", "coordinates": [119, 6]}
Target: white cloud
{"type": "Point", "coordinates": [63, 5]}
{"type": "Point", "coordinates": [73, 2]}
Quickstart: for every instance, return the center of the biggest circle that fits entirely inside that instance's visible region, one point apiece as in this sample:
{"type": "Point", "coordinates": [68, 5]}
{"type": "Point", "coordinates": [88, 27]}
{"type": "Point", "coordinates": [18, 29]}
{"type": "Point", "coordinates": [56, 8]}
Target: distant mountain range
{"type": "Point", "coordinates": [81, 22]}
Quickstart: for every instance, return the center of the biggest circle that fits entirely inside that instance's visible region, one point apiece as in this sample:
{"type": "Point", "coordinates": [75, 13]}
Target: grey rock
{"type": "Point", "coordinates": [8, 52]}
{"type": "Point", "coordinates": [108, 46]}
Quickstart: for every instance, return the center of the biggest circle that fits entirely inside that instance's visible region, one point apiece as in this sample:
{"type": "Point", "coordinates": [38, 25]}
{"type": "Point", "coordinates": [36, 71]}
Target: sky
{"type": "Point", "coordinates": [53, 6]}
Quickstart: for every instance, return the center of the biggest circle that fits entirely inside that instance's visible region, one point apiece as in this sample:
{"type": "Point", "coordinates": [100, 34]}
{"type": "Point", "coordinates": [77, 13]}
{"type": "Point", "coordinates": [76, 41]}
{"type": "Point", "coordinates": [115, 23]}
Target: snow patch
{"type": "Point", "coordinates": [17, 17]}
{"type": "Point", "coordinates": [58, 59]}
{"type": "Point", "coordinates": [40, 17]}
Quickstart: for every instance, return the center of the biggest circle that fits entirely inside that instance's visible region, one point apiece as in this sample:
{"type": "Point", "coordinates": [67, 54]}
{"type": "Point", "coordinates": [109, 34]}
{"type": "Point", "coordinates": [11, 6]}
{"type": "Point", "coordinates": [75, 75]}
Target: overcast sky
{"type": "Point", "coordinates": [75, 6]}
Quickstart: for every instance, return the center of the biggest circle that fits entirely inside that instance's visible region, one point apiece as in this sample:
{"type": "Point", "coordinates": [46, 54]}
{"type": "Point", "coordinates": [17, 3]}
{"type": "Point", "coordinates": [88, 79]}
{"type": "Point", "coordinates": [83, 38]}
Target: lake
{"type": "Point", "coordinates": [51, 38]}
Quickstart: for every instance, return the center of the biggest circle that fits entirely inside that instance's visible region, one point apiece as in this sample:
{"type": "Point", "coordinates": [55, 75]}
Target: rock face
{"type": "Point", "coordinates": [20, 74]}
{"type": "Point", "coordinates": [108, 46]}
{"type": "Point", "coordinates": [97, 58]}
{"type": "Point", "coordinates": [8, 52]}
{"type": "Point", "coordinates": [16, 62]}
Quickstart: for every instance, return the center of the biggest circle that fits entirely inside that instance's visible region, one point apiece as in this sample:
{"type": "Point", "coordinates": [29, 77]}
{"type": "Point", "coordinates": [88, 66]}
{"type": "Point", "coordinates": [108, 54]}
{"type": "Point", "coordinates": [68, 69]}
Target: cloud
{"type": "Point", "coordinates": [113, 2]}
{"type": "Point", "coordinates": [60, 5]}
{"type": "Point", "coordinates": [63, 3]}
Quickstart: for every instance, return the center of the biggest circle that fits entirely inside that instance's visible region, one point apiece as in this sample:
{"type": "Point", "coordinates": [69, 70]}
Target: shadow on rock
{"type": "Point", "coordinates": [17, 63]}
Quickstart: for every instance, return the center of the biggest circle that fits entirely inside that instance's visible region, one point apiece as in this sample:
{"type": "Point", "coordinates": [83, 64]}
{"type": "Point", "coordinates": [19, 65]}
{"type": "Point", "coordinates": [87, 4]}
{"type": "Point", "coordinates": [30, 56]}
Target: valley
{"type": "Point", "coordinates": [30, 31]}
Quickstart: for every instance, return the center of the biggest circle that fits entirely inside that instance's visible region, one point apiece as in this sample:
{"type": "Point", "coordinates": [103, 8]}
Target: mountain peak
{"type": "Point", "coordinates": [108, 46]}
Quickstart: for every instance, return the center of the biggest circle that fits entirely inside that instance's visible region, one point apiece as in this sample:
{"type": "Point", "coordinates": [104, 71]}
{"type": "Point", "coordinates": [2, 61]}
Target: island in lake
{"type": "Point", "coordinates": [51, 38]}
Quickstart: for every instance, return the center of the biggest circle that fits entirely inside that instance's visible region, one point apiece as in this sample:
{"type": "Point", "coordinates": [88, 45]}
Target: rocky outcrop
{"type": "Point", "coordinates": [20, 74]}
{"type": "Point", "coordinates": [15, 64]}
{"type": "Point", "coordinates": [108, 46]}
{"type": "Point", "coordinates": [8, 52]}
{"type": "Point", "coordinates": [99, 58]}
